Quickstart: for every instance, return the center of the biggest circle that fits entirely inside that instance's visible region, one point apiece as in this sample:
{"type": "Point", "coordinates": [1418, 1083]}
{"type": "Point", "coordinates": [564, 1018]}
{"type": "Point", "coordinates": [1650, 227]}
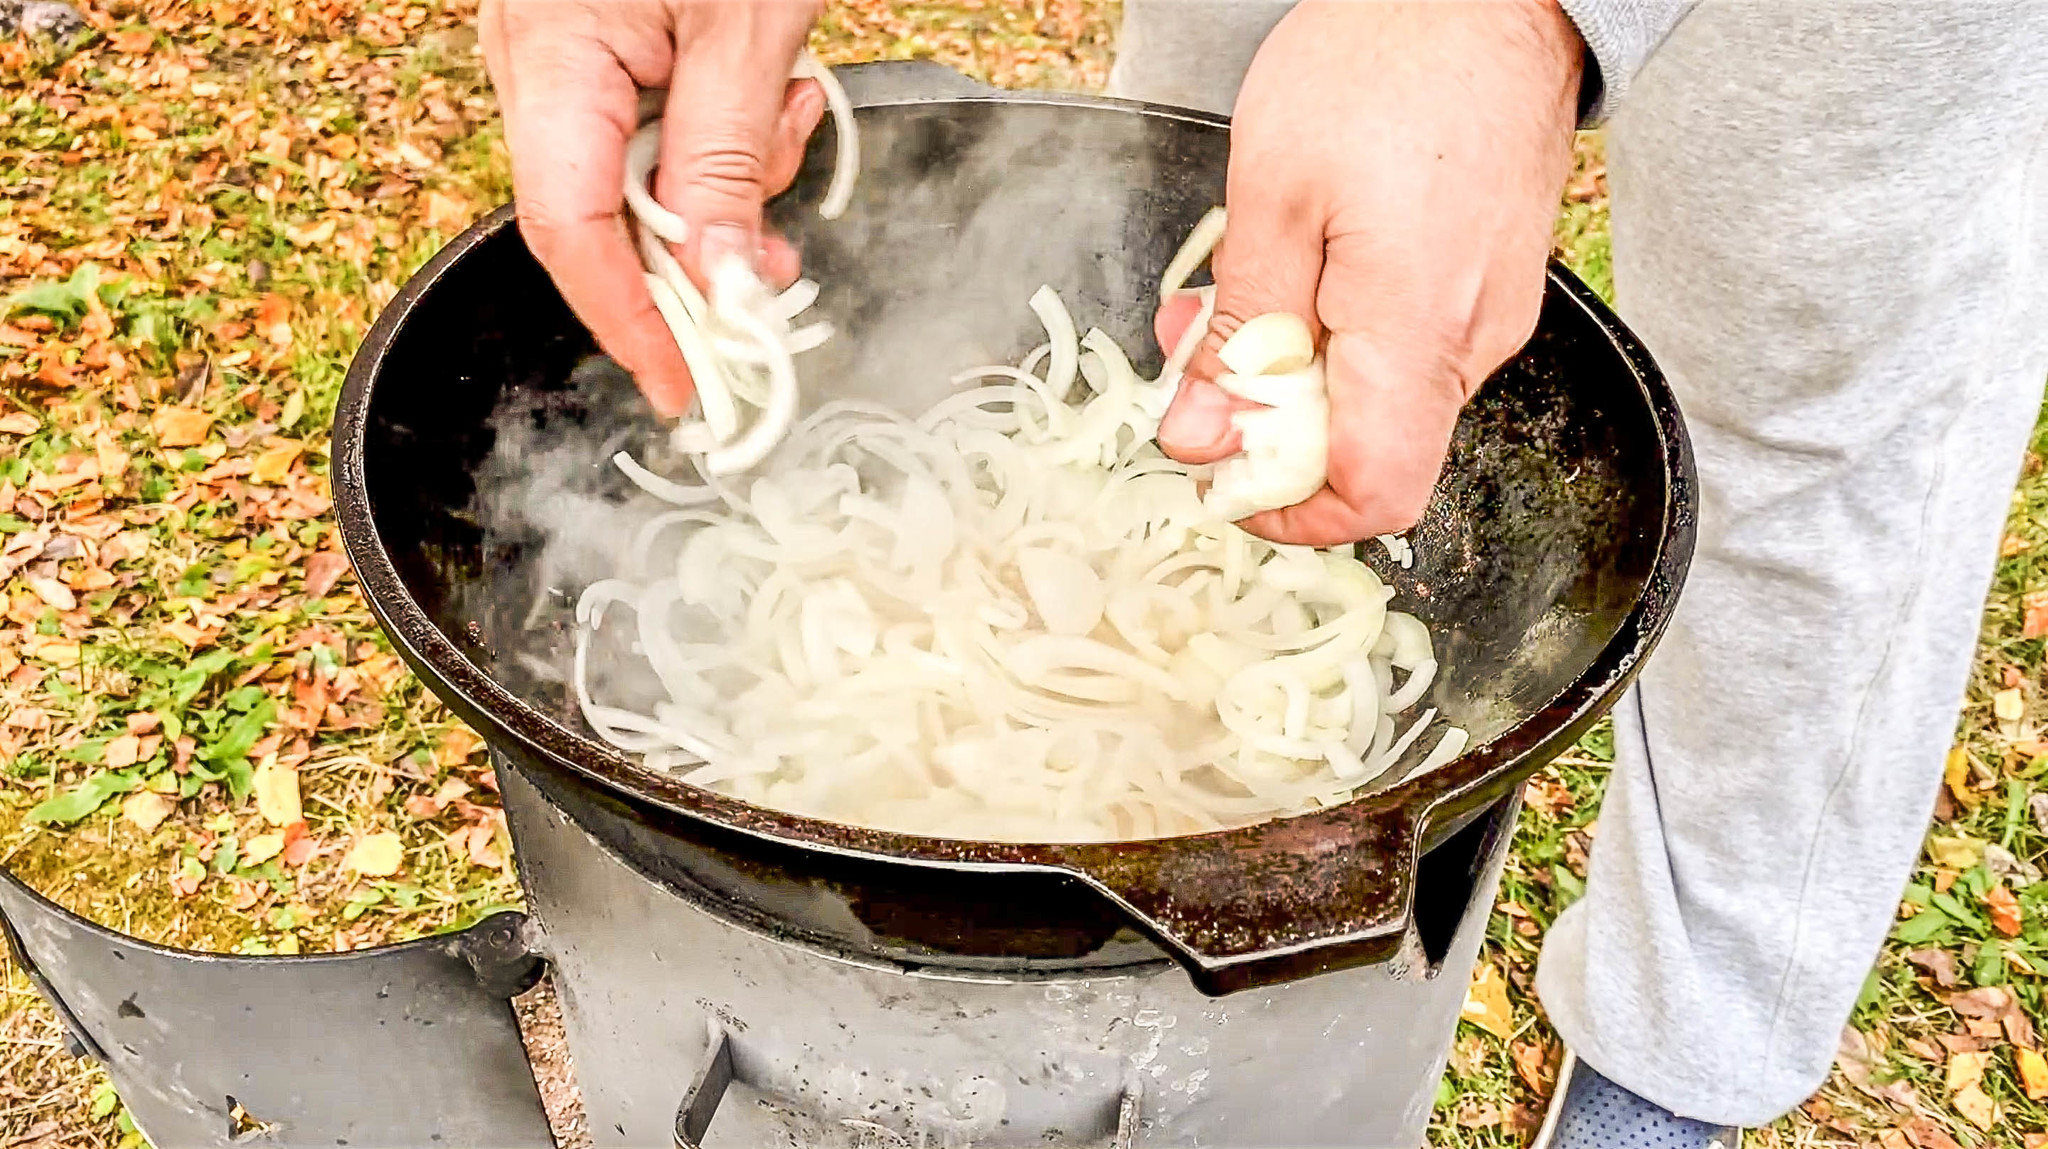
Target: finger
{"type": "Point", "coordinates": [803, 109]}
{"type": "Point", "coordinates": [569, 171]}
{"type": "Point", "coordinates": [725, 108]}
{"type": "Point", "coordinates": [1392, 415]}
{"type": "Point", "coordinates": [1171, 321]}
{"type": "Point", "coordinates": [1270, 260]}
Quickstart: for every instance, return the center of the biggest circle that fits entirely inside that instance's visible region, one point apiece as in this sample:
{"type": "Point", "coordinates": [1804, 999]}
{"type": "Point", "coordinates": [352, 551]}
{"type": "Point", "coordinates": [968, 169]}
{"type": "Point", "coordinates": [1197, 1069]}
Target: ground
{"type": "Point", "coordinates": [205, 741]}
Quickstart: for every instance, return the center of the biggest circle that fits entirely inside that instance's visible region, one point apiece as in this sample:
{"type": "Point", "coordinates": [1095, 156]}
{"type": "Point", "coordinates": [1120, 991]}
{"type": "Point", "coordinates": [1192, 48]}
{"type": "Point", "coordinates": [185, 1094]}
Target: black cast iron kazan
{"type": "Point", "coordinates": [1546, 566]}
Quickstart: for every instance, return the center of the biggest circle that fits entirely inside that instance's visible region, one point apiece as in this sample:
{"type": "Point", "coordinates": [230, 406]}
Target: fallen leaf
{"type": "Point", "coordinates": [19, 423]}
{"type": "Point", "coordinates": [456, 747]}
{"type": "Point", "coordinates": [1925, 1134]}
{"type": "Point", "coordinates": [1956, 774]}
{"type": "Point", "coordinates": [1475, 1113]}
{"type": "Point", "coordinates": [1965, 1070]}
{"type": "Point", "coordinates": [2035, 623]}
{"type": "Point", "coordinates": [53, 592]}
{"type": "Point", "coordinates": [312, 235]}
{"type": "Point", "coordinates": [263, 847]}
{"type": "Point", "coordinates": [1486, 1002]}
{"type": "Point", "coordinates": [422, 807]}
{"type": "Point", "coordinates": [143, 721]}
{"type": "Point", "coordinates": [1532, 1065]}
{"type": "Point", "coordinates": [181, 426]}
{"type": "Point", "coordinates": [2005, 911]}
{"type": "Point", "coordinates": [1991, 1001]}
{"type": "Point", "coordinates": [1955, 853]}
{"type": "Point", "coordinates": [274, 320]}
{"type": "Point", "coordinates": [132, 41]}
{"type": "Point", "coordinates": [248, 893]}
{"type": "Point", "coordinates": [277, 792]}
{"type": "Point", "coordinates": [323, 568]}
{"type": "Point", "coordinates": [184, 885]}
{"type": "Point", "coordinates": [449, 791]}
{"type": "Point", "coordinates": [273, 466]}
{"type": "Point", "coordinates": [376, 855]}
{"type": "Point", "coordinates": [147, 809]}
{"type": "Point", "coordinates": [123, 752]}
{"type": "Point", "coordinates": [1972, 1102]}
{"type": "Point", "coordinates": [482, 846]}
{"type": "Point", "coordinates": [190, 635]}
{"type": "Point", "coordinates": [444, 212]}
{"type": "Point", "coordinates": [1939, 965]}
{"type": "Point", "coordinates": [2009, 705]}
{"type": "Point", "coordinates": [299, 845]}
{"type": "Point", "coordinates": [2035, 1141]}
{"type": "Point", "coordinates": [2033, 1070]}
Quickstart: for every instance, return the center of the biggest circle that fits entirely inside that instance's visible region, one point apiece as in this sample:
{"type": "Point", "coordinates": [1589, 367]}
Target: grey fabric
{"type": "Point", "coordinates": [1194, 53]}
{"type": "Point", "coordinates": [1831, 228]}
{"type": "Point", "coordinates": [1621, 35]}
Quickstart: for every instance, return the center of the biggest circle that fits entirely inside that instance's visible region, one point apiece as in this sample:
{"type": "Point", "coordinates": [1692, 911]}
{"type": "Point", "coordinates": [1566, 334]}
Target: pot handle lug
{"type": "Point", "coordinates": [1274, 902]}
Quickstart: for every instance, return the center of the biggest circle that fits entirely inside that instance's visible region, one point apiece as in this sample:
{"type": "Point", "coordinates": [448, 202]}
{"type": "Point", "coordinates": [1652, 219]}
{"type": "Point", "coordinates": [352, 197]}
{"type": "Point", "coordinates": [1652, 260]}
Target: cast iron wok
{"type": "Point", "coordinates": [1547, 564]}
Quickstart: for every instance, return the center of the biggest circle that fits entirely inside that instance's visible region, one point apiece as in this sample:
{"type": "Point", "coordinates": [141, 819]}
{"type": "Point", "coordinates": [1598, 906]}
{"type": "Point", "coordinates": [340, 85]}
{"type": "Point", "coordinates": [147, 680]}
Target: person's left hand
{"type": "Point", "coordinates": [1394, 177]}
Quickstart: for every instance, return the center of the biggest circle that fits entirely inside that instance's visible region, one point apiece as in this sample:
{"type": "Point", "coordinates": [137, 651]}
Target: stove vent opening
{"type": "Point", "coordinates": [1448, 877]}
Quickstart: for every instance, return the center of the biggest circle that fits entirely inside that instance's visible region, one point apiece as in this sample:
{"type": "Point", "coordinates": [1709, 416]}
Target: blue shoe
{"type": "Point", "coordinates": [1590, 1112]}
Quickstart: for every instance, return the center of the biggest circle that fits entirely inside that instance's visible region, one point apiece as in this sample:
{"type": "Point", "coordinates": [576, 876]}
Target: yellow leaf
{"type": "Point", "coordinates": [1955, 853]}
{"type": "Point", "coordinates": [1965, 1070]}
{"type": "Point", "coordinates": [123, 752]}
{"type": "Point", "coordinates": [263, 847]}
{"type": "Point", "coordinates": [1956, 773]}
{"type": "Point", "coordinates": [277, 792]}
{"type": "Point", "coordinates": [2033, 1072]}
{"type": "Point", "coordinates": [147, 809]}
{"type": "Point", "coordinates": [1973, 1104]}
{"type": "Point", "coordinates": [55, 651]}
{"type": "Point", "coordinates": [2008, 705]}
{"type": "Point", "coordinates": [313, 234]}
{"type": "Point", "coordinates": [377, 855]}
{"type": "Point", "coordinates": [274, 465]}
{"type": "Point", "coordinates": [1486, 1002]}
{"type": "Point", "coordinates": [181, 427]}
{"type": "Point", "coordinates": [456, 747]}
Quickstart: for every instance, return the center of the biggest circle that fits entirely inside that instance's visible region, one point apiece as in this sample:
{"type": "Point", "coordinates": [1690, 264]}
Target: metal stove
{"type": "Point", "coordinates": [732, 976]}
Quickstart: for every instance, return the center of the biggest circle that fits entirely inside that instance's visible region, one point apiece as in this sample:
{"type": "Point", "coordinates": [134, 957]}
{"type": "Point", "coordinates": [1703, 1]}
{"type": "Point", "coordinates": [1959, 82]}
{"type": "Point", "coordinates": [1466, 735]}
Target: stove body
{"type": "Point", "coordinates": [833, 1049]}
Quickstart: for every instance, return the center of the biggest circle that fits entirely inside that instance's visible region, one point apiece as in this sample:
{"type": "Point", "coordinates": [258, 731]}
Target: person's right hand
{"type": "Point", "coordinates": [569, 75]}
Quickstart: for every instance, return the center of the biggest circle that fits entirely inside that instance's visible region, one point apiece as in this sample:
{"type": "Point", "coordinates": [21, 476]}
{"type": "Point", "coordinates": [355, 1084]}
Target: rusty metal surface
{"type": "Point", "coordinates": [1547, 563]}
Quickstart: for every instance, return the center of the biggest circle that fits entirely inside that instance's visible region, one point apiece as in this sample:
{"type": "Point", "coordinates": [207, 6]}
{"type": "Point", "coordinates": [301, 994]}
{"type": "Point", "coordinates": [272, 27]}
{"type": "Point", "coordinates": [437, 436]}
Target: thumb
{"type": "Point", "coordinates": [720, 126]}
{"type": "Point", "coordinates": [1270, 260]}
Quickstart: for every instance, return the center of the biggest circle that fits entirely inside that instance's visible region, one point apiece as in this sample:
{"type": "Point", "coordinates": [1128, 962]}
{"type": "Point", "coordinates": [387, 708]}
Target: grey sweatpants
{"type": "Point", "coordinates": [1831, 229]}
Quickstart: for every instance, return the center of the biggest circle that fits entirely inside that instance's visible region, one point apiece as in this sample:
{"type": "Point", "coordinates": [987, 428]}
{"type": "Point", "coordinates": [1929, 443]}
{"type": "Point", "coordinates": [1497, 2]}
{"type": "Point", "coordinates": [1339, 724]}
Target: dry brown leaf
{"type": "Point", "coordinates": [19, 423]}
{"type": "Point", "coordinates": [52, 592]}
{"type": "Point", "coordinates": [275, 465]}
{"type": "Point", "coordinates": [277, 792]}
{"type": "Point", "coordinates": [113, 461]}
{"type": "Point", "coordinates": [1989, 1002]}
{"type": "Point", "coordinates": [123, 752]}
{"type": "Point", "coordinates": [132, 41]}
{"type": "Point", "coordinates": [377, 855]}
{"type": "Point", "coordinates": [1486, 1002]}
{"type": "Point", "coordinates": [190, 635]}
{"type": "Point", "coordinates": [181, 426]}
{"type": "Point", "coordinates": [1939, 964]}
{"type": "Point", "coordinates": [274, 320]}
{"type": "Point", "coordinates": [1925, 1134]}
{"type": "Point", "coordinates": [1532, 1065]}
{"type": "Point", "coordinates": [147, 809]}
{"type": "Point", "coordinates": [444, 212]}
{"type": "Point", "coordinates": [323, 568]}
{"type": "Point", "coordinates": [2035, 622]}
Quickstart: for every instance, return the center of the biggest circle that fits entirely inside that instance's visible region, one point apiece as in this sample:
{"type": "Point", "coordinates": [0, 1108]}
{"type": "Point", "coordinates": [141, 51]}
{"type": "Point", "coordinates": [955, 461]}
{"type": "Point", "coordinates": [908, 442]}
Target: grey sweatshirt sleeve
{"type": "Point", "coordinates": [1620, 35]}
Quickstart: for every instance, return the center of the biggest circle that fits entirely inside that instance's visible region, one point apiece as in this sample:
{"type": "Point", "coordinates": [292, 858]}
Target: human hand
{"type": "Point", "coordinates": [569, 74]}
{"type": "Point", "coordinates": [1394, 177]}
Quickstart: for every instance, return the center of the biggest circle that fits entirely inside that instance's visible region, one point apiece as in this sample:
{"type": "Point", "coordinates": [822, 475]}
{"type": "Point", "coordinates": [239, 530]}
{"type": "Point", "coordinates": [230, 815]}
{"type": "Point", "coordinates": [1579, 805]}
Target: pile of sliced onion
{"type": "Point", "coordinates": [740, 344]}
{"type": "Point", "coordinates": [1010, 618]}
